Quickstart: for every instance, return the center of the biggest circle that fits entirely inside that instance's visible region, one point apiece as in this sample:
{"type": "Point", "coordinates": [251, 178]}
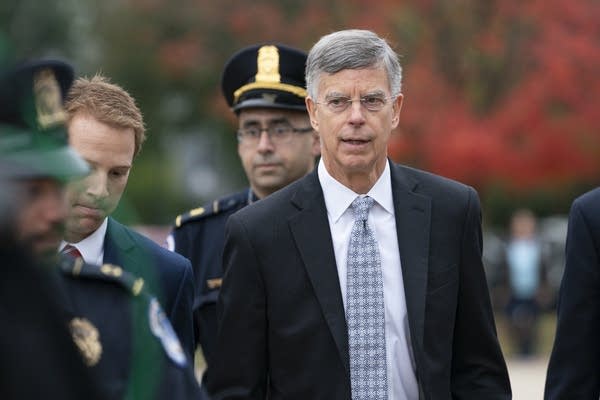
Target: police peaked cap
{"type": "Point", "coordinates": [265, 76]}
{"type": "Point", "coordinates": [33, 137]}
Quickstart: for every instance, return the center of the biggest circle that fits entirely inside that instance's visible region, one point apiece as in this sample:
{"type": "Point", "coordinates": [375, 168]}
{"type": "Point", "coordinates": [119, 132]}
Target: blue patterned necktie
{"type": "Point", "coordinates": [365, 309]}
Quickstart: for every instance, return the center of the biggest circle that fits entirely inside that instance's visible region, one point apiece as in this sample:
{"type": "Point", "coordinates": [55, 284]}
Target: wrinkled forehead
{"type": "Point", "coordinates": [348, 82]}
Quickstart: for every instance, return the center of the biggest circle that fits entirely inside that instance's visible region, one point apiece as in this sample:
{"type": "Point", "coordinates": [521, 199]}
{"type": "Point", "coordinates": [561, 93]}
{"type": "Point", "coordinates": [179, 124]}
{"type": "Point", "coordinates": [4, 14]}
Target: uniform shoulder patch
{"type": "Point", "coordinates": [191, 215]}
{"type": "Point", "coordinates": [78, 269]}
{"type": "Point", "coordinates": [162, 329]}
{"type": "Point", "coordinates": [237, 200]}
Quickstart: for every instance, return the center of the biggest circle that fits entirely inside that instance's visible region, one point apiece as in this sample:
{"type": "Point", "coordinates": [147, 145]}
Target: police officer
{"type": "Point", "coordinates": [116, 340]}
{"type": "Point", "coordinates": [264, 86]}
{"type": "Point", "coordinates": [39, 359]}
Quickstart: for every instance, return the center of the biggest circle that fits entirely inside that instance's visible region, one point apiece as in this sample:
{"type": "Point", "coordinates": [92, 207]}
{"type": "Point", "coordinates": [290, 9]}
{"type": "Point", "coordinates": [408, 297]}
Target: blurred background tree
{"type": "Point", "coordinates": [503, 95]}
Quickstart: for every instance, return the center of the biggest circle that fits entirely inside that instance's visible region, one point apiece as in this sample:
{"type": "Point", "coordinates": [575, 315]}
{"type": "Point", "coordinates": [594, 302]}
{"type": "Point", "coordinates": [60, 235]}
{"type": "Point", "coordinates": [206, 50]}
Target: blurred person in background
{"type": "Point", "coordinates": [574, 368]}
{"type": "Point", "coordinates": [524, 270]}
{"type": "Point", "coordinates": [34, 162]}
{"type": "Point", "coordinates": [70, 329]}
{"type": "Point", "coordinates": [106, 127]}
{"type": "Point", "coordinates": [264, 86]}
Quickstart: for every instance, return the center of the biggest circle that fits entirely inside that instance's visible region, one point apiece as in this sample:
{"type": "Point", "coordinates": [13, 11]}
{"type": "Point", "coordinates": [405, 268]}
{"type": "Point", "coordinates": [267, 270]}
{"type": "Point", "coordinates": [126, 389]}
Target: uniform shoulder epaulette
{"type": "Point", "coordinates": [216, 207]}
{"type": "Point", "coordinates": [77, 268]}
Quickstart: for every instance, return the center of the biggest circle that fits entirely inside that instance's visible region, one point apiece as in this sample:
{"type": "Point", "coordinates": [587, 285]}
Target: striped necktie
{"type": "Point", "coordinates": [71, 251]}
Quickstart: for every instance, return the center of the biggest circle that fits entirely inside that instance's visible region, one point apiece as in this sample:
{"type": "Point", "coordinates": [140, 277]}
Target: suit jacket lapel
{"type": "Point", "coordinates": [413, 219]}
{"type": "Point", "coordinates": [119, 248]}
{"type": "Point", "coordinates": [123, 249]}
{"type": "Point", "coordinates": [311, 232]}
{"type": "Point", "coordinates": [310, 228]}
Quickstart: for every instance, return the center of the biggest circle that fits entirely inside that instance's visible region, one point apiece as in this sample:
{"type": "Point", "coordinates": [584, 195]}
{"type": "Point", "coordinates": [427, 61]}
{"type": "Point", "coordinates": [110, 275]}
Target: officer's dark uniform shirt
{"type": "Point", "coordinates": [199, 235]}
{"type": "Point", "coordinates": [38, 359]}
{"type": "Point", "coordinates": [123, 336]}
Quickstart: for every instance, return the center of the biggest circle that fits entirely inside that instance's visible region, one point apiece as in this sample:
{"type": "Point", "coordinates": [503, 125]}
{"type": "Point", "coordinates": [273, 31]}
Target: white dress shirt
{"type": "Point", "coordinates": [92, 247]}
{"type": "Point", "coordinates": [402, 381]}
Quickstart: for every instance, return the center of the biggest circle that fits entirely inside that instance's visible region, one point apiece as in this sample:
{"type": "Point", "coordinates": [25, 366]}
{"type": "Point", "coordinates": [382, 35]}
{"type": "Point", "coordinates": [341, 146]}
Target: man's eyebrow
{"type": "Point", "coordinates": [278, 120]}
{"type": "Point", "coordinates": [374, 93]}
{"type": "Point", "coordinates": [334, 95]}
{"type": "Point", "coordinates": [251, 122]}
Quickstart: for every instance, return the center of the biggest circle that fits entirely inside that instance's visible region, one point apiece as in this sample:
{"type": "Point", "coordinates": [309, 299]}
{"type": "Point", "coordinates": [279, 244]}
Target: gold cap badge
{"type": "Point", "coordinates": [48, 99]}
{"type": "Point", "coordinates": [86, 337]}
{"type": "Point", "coordinates": [267, 75]}
{"type": "Point", "coordinates": [267, 65]}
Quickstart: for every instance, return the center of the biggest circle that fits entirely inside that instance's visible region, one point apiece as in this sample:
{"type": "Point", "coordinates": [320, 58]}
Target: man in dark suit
{"type": "Point", "coordinates": [292, 320]}
{"type": "Point", "coordinates": [574, 369]}
{"type": "Point", "coordinates": [105, 126]}
{"type": "Point", "coordinates": [276, 146]}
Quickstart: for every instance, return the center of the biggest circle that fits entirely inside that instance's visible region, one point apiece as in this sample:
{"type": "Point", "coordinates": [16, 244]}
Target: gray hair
{"type": "Point", "coordinates": [351, 49]}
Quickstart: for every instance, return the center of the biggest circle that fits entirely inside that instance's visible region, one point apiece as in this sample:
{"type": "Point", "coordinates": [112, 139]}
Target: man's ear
{"type": "Point", "coordinates": [311, 106]}
{"type": "Point", "coordinates": [396, 107]}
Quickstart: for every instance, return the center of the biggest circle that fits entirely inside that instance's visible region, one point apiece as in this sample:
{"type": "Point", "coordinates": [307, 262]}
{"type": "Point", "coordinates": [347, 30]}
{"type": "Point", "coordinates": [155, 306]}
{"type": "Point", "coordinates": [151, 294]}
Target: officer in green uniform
{"type": "Point", "coordinates": [264, 86]}
{"type": "Point", "coordinates": [96, 330]}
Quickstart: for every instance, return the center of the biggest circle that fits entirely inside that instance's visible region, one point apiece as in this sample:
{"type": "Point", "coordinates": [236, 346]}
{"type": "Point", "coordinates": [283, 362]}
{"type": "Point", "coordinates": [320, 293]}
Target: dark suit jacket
{"type": "Point", "coordinates": [282, 327]}
{"type": "Point", "coordinates": [167, 274]}
{"type": "Point", "coordinates": [574, 369]}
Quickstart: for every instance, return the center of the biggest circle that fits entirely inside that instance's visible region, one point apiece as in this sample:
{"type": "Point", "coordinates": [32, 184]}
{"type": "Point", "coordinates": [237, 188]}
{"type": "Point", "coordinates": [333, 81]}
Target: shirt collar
{"type": "Point", "coordinates": [381, 192]}
{"type": "Point", "coordinates": [339, 197]}
{"type": "Point", "coordinates": [92, 247]}
{"type": "Point", "coordinates": [252, 197]}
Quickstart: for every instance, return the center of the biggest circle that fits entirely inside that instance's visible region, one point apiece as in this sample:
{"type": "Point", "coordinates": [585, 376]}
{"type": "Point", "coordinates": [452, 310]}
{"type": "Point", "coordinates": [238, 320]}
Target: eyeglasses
{"type": "Point", "coordinates": [373, 103]}
{"type": "Point", "coordinates": [279, 133]}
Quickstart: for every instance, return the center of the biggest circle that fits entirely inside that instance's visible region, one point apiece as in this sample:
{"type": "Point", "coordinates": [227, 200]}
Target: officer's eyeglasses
{"type": "Point", "coordinates": [371, 102]}
{"type": "Point", "coordinates": [279, 133]}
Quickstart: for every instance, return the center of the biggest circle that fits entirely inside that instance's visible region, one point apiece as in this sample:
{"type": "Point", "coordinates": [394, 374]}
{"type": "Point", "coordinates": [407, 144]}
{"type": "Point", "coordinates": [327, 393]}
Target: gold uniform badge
{"type": "Point", "coordinates": [87, 338]}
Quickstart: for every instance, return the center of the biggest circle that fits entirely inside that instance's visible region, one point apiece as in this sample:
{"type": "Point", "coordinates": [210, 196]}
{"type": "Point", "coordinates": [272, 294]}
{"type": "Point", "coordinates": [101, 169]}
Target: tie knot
{"type": "Point", "coordinates": [361, 207]}
{"type": "Point", "coordinates": [71, 251]}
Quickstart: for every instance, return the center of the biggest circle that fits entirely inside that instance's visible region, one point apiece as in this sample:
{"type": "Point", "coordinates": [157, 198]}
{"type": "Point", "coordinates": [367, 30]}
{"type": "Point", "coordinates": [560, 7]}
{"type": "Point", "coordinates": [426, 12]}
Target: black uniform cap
{"type": "Point", "coordinates": [265, 76]}
{"type": "Point", "coordinates": [33, 137]}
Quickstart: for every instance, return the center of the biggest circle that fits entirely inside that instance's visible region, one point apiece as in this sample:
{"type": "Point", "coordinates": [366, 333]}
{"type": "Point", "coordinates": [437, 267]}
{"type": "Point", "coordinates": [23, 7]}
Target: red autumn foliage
{"type": "Point", "coordinates": [541, 129]}
{"type": "Point", "coordinates": [501, 91]}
